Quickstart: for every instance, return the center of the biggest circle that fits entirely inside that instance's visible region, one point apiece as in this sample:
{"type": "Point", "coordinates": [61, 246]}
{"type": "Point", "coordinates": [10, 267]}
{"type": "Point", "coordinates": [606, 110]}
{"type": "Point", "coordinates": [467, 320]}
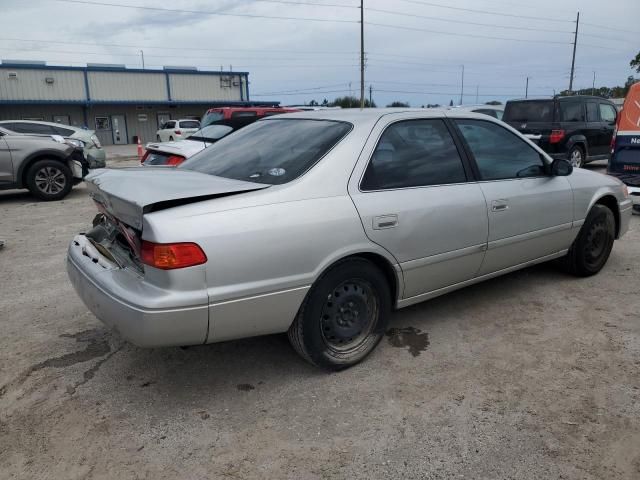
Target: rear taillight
{"type": "Point", "coordinates": [178, 132]}
{"type": "Point", "coordinates": [169, 256]}
{"type": "Point", "coordinates": [174, 160]}
{"type": "Point", "coordinates": [556, 136]}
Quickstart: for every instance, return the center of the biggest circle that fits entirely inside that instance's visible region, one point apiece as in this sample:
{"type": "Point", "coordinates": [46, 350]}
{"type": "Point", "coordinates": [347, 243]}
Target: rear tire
{"type": "Point", "coordinates": [49, 180]}
{"type": "Point", "coordinates": [591, 250]}
{"type": "Point", "coordinates": [344, 315]}
{"type": "Point", "coordinates": [158, 138]}
{"type": "Point", "coordinates": [171, 139]}
{"type": "Point", "coordinates": [577, 156]}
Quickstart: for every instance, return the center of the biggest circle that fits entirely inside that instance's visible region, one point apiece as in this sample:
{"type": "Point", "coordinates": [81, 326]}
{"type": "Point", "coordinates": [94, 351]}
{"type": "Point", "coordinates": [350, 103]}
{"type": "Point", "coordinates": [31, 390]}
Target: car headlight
{"type": "Point", "coordinates": [74, 142]}
{"type": "Point", "coordinates": [96, 141]}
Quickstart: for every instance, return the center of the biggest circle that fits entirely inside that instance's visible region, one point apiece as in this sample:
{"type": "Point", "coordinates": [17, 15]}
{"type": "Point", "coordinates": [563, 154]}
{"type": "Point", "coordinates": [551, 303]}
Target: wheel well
{"type": "Point", "coordinates": [385, 267]}
{"type": "Point", "coordinates": [610, 202]}
{"type": "Point", "coordinates": [27, 165]}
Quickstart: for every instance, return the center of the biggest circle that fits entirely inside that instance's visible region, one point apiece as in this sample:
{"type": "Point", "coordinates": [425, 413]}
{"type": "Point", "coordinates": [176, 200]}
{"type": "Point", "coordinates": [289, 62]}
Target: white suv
{"type": "Point", "coordinates": [174, 130]}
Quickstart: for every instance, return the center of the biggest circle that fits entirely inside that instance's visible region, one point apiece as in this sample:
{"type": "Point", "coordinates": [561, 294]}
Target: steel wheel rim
{"type": "Point", "coordinates": [349, 315]}
{"type": "Point", "coordinates": [596, 243]}
{"type": "Point", "coordinates": [576, 158]}
{"type": "Point", "coordinates": [50, 180]}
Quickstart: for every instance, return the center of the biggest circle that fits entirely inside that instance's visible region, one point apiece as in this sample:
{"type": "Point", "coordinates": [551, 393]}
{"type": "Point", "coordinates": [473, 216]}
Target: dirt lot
{"type": "Point", "coordinates": [533, 375]}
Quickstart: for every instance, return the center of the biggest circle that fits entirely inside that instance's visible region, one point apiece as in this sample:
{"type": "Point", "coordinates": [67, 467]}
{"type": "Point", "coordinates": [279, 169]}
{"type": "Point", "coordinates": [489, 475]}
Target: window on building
{"type": "Point", "coordinates": [414, 153]}
{"type": "Point", "coordinates": [102, 123]}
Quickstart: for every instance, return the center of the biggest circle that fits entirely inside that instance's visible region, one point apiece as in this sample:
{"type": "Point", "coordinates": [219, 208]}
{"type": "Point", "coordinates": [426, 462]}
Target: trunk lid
{"type": "Point", "coordinates": [128, 193]}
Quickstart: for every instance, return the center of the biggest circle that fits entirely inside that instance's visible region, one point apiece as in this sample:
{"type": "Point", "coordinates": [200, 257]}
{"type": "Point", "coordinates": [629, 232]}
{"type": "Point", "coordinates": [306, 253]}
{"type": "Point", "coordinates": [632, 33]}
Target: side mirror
{"type": "Point", "coordinates": [561, 168]}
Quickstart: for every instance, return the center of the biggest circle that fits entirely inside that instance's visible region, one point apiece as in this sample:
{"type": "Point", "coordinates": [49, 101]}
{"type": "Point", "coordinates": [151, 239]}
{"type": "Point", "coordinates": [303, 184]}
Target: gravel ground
{"type": "Point", "coordinates": [529, 376]}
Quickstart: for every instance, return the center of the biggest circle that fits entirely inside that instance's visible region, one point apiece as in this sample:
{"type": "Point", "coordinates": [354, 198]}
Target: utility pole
{"type": "Point", "coordinates": [477, 93]}
{"type": "Point", "coordinates": [142, 54]}
{"type": "Point", "coordinates": [371, 96]}
{"type": "Point", "coordinates": [462, 86]}
{"type": "Point", "coordinates": [573, 58]}
{"type": "Point", "coordinates": [593, 85]}
{"type": "Point", "coordinates": [361, 53]}
{"type": "Point", "coordinates": [526, 89]}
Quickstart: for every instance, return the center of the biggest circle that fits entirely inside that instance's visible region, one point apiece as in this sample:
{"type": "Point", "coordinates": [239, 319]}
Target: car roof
{"type": "Point", "coordinates": [357, 116]}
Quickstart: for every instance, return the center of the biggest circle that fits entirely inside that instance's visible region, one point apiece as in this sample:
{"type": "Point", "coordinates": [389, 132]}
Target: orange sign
{"type": "Point", "coordinates": [630, 115]}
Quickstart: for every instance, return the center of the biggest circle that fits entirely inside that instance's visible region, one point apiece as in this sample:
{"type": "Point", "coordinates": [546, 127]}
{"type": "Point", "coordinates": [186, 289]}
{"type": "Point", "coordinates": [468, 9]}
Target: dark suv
{"type": "Point", "coordinates": [578, 129]}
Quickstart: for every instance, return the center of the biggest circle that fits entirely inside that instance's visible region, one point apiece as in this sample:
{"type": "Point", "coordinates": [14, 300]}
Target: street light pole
{"type": "Point", "coordinates": [462, 86]}
{"type": "Point", "coordinates": [573, 58]}
{"type": "Point", "coordinates": [361, 53]}
{"type": "Point", "coordinates": [526, 89]}
{"type": "Point", "coordinates": [142, 54]}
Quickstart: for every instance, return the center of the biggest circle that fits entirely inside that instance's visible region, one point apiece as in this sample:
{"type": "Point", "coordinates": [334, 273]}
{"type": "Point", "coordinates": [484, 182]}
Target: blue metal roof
{"type": "Point", "coordinates": [88, 68]}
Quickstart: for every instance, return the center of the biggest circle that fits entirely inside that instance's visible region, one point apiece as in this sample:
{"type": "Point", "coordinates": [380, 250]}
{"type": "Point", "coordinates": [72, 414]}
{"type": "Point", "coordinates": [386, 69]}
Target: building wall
{"type": "Point", "coordinates": [196, 87]}
{"type": "Point", "coordinates": [124, 86]}
{"type": "Point", "coordinates": [43, 112]}
{"type": "Point", "coordinates": [30, 84]}
{"type": "Point", "coordinates": [136, 124]}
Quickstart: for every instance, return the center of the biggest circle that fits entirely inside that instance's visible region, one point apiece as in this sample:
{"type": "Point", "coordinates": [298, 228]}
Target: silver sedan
{"type": "Point", "coordinates": [320, 224]}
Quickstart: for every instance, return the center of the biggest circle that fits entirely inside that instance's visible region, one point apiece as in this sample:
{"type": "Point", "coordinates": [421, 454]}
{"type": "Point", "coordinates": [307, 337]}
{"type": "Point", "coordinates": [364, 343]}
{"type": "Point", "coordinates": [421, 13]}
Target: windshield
{"type": "Point", "coordinates": [211, 133]}
{"type": "Point", "coordinates": [271, 151]}
{"type": "Point", "coordinates": [211, 117]}
{"type": "Point", "coordinates": [529, 111]}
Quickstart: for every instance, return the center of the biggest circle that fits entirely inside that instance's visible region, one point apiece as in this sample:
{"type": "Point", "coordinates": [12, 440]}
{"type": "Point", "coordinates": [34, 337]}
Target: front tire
{"type": "Point", "coordinates": [591, 250]}
{"type": "Point", "coordinates": [576, 156]}
{"type": "Point", "coordinates": [344, 315]}
{"type": "Point", "coordinates": [49, 180]}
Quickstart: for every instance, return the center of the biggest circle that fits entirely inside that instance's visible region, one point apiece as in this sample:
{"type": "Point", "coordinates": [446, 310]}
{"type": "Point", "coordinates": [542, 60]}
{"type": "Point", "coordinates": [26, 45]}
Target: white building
{"type": "Point", "coordinates": [120, 104]}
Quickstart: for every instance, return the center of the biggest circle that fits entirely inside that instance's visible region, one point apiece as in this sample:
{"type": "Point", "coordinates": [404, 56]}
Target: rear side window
{"type": "Point", "coordinates": [169, 124]}
{"type": "Point", "coordinates": [499, 153]}
{"type": "Point", "coordinates": [65, 132]}
{"type": "Point", "coordinates": [592, 112]}
{"type": "Point", "coordinates": [572, 112]}
{"type": "Point", "coordinates": [529, 111]}
{"type": "Point", "coordinates": [607, 113]}
{"type": "Point", "coordinates": [414, 153]}
{"type": "Point", "coordinates": [189, 124]}
{"type": "Point", "coordinates": [35, 128]}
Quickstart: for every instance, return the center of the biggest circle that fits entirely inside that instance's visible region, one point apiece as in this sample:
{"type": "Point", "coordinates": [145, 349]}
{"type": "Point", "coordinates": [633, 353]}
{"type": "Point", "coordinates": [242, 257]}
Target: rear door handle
{"type": "Point", "coordinates": [499, 206]}
{"type": "Point", "coordinates": [385, 221]}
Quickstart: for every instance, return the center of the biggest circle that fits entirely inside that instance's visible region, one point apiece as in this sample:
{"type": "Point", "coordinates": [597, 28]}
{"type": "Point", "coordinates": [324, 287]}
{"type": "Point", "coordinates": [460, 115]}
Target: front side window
{"type": "Point", "coordinates": [169, 124]}
{"type": "Point", "coordinates": [414, 153]}
{"type": "Point", "coordinates": [592, 112]}
{"type": "Point", "coordinates": [607, 113]}
{"type": "Point", "coordinates": [499, 153]}
{"type": "Point", "coordinates": [271, 151]}
{"type": "Point", "coordinates": [35, 128]}
{"type": "Point", "coordinates": [571, 112]}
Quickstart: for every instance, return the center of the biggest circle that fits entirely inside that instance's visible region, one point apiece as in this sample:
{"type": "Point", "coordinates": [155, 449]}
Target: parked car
{"type": "Point", "coordinates": [177, 130]}
{"type": "Point", "coordinates": [625, 146]}
{"type": "Point", "coordinates": [495, 111]}
{"type": "Point", "coordinates": [79, 137]}
{"type": "Point", "coordinates": [320, 223]}
{"type": "Point", "coordinates": [47, 166]}
{"type": "Point", "coordinates": [213, 129]}
{"type": "Point", "coordinates": [578, 129]}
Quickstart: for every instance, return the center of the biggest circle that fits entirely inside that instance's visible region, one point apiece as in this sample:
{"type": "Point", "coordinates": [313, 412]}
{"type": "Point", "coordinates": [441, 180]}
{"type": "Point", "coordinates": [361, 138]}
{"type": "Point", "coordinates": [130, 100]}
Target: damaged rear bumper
{"type": "Point", "coordinates": [120, 298]}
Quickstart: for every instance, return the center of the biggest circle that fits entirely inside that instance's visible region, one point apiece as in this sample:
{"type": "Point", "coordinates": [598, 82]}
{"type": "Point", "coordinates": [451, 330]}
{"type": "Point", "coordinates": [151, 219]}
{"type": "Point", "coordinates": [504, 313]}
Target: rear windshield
{"type": "Point", "coordinates": [529, 111]}
{"type": "Point", "coordinates": [272, 151]}
{"type": "Point", "coordinates": [189, 124]}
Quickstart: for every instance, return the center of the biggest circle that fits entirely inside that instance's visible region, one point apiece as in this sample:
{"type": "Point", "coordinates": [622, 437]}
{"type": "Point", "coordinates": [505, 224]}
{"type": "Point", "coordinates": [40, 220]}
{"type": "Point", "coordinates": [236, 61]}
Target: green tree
{"type": "Point", "coordinates": [493, 102]}
{"type": "Point", "coordinates": [635, 63]}
{"type": "Point", "coordinates": [398, 104]}
{"type": "Point", "coordinates": [351, 102]}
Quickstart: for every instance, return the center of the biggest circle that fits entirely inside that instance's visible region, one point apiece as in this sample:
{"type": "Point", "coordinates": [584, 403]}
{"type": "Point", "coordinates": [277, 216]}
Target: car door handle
{"type": "Point", "coordinates": [385, 221]}
{"type": "Point", "coordinates": [499, 206]}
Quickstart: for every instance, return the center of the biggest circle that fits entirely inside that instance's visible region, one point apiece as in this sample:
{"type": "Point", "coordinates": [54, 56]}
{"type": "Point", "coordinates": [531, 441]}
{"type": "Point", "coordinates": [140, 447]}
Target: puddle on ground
{"type": "Point", "coordinates": [410, 338]}
{"type": "Point", "coordinates": [97, 346]}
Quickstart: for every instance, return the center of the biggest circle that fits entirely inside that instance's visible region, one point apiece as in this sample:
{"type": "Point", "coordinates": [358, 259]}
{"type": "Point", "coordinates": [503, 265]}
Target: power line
{"type": "Point", "coordinates": [500, 14]}
{"type": "Point", "coordinates": [206, 12]}
{"type": "Point", "coordinates": [471, 35]}
{"type": "Point", "coordinates": [440, 19]}
{"type": "Point", "coordinates": [303, 90]}
{"type": "Point", "coordinates": [608, 28]}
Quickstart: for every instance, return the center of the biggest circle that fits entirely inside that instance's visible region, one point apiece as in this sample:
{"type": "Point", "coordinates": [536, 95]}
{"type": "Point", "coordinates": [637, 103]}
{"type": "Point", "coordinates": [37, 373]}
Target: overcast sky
{"type": "Point", "coordinates": [418, 61]}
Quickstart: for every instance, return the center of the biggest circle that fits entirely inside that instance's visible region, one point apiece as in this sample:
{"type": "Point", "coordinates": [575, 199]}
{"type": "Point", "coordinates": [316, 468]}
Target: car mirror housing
{"type": "Point", "coordinates": [561, 168]}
